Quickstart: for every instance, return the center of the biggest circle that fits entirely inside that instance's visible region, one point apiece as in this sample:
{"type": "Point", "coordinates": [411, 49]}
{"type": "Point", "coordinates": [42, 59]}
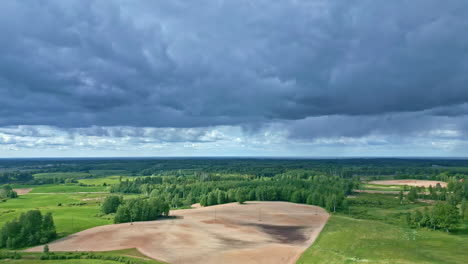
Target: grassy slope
{"type": "Point", "coordinates": [68, 218]}
{"type": "Point", "coordinates": [348, 240]}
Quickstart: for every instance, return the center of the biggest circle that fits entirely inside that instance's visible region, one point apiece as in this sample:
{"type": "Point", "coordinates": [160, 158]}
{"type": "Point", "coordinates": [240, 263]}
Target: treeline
{"type": "Point", "coordinates": [26, 177]}
{"type": "Point", "coordinates": [134, 186]}
{"type": "Point", "coordinates": [298, 187]}
{"type": "Point", "coordinates": [6, 191]}
{"type": "Point", "coordinates": [30, 229]}
{"type": "Point", "coordinates": [442, 216]}
{"type": "Point", "coordinates": [136, 209]}
{"type": "Point", "coordinates": [455, 192]}
{"type": "Point", "coordinates": [433, 169]}
{"type": "Point", "coordinates": [15, 177]}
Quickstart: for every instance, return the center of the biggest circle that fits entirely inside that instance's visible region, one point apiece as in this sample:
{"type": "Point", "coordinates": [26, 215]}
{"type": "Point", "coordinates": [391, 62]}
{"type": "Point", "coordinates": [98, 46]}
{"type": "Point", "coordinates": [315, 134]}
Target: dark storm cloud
{"type": "Point", "coordinates": [206, 63]}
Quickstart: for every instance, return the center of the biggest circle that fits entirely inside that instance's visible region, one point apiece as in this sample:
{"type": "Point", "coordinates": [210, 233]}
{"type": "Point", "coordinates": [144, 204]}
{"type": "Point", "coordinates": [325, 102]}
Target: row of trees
{"type": "Point", "coordinates": [454, 193]}
{"type": "Point", "coordinates": [298, 187]}
{"type": "Point", "coordinates": [332, 201]}
{"type": "Point", "coordinates": [136, 209]}
{"type": "Point", "coordinates": [29, 229]}
{"type": "Point", "coordinates": [111, 203]}
{"type": "Point", "coordinates": [15, 176]}
{"type": "Point", "coordinates": [442, 216]}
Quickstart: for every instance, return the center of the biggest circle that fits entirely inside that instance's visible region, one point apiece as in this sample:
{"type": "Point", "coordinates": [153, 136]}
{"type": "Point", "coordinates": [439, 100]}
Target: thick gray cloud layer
{"type": "Point", "coordinates": [200, 63]}
{"type": "Point", "coordinates": [311, 69]}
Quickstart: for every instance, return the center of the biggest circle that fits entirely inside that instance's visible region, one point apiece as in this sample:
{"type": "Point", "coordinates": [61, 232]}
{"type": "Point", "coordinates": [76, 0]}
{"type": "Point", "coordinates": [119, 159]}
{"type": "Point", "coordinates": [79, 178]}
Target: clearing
{"type": "Point", "coordinates": [22, 191]}
{"type": "Point", "coordinates": [255, 232]}
{"type": "Point", "coordinates": [419, 183]}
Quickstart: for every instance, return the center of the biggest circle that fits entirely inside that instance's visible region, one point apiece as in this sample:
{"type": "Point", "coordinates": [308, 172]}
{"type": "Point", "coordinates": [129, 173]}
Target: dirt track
{"type": "Point", "coordinates": [410, 183]}
{"type": "Point", "coordinates": [257, 232]}
{"type": "Point", "coordinates": [22, 191]}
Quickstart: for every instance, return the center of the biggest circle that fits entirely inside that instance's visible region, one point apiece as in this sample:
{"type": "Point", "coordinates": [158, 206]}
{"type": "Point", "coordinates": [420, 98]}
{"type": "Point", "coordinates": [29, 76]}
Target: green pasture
{"type": "Point", "coordinates": [61, 188]}
{"type": "Point", "coordinates": [107, 180]}
{"type": "Point", "coordinates": [379, 187]}
{"type": "Point", "coordinates": [348, 240]}
{"type": "Point", "coordinates": [72, 212]}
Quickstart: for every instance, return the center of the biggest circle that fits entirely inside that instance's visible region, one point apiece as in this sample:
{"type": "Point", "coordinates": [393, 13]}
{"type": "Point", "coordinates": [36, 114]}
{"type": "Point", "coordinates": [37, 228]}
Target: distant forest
{"type": "Point", "coordinates": [13, 170]}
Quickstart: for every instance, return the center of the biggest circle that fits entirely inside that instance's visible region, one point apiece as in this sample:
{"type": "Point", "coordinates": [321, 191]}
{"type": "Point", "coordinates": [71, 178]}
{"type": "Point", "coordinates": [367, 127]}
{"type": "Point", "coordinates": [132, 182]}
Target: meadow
{"type": "Point", "coordinates": [72, 212]}
{"type": "Point", "coordinates": [61, 188]}
{"type": "Point", "coordinates": [349, 240]}
{"type": "Point", "coordinates": [378, 187]}
{"type": "Point", "coordinates": [108, 180]}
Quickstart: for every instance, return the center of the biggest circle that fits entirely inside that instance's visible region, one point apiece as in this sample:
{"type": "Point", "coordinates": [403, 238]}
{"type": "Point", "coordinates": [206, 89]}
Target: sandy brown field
{"type": "Point", "coordinates": [256, 232]}
{"type": "Point", "coordinates": [410, 183]}
{"type": "Point", "coordinates": [22, 191]}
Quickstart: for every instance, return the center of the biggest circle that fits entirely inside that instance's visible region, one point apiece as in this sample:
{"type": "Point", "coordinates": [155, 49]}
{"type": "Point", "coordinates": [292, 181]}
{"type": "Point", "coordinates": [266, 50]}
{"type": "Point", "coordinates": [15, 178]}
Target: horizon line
{"type": "Point", "coordinates": [241, 157]}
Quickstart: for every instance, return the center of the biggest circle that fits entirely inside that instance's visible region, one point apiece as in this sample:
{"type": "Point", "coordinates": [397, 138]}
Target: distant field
{"type": "Point", "coordinates": [410, 182]}
{"type": "Point", "coordinates": [103, 173]}
{"type": "Point", "coordinates": [61, 188]}
{"type": "Point", "coordinates": [107, 180]}
{"type": "Point", "coordinates": [378, 187]}
{"type": "Point", "coordinates": [348, 240]}
{"type": "Point", "coordinates": [68, 218]}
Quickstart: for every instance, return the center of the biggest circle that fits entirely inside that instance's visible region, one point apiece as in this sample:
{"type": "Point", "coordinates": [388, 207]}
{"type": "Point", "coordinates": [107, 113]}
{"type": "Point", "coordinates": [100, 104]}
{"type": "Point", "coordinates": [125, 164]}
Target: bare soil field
{"type": "Point", "coordinates": [252, 233]}
{"type": "Point", "coordinates": [423, 183]}
{"type": "Point", "coordinates": [22, 191]}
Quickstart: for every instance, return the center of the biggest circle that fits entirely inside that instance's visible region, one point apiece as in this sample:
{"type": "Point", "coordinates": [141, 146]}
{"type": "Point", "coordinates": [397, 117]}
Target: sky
{"type": "Point", "coordinates": [298, 78]}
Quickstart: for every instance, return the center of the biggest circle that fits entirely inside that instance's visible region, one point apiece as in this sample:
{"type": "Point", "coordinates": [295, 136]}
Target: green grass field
{"type": "Point", "coordinates": [348, 240]}
{"type": "Point", "coordinates": [108, 180]}
{"type": "Point", "coordinates": [378, 187]}
{"type": "Point", "coordinates": [62, 188]}
{"type": "Point", "coordinates": [69, 217]}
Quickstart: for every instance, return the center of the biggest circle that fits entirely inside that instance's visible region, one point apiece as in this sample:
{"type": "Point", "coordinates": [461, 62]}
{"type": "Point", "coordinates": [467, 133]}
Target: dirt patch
{"type": "Point", "coordinates": [22, 191]}
{"type": "Point", "coordinates": [93, 199]}
{"type": "Point", "coordinates": [256, 232]}
{"type": "Point", "coordinates": [284, 234]}
{"type": "Point", "coordinates": [419, 183]}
